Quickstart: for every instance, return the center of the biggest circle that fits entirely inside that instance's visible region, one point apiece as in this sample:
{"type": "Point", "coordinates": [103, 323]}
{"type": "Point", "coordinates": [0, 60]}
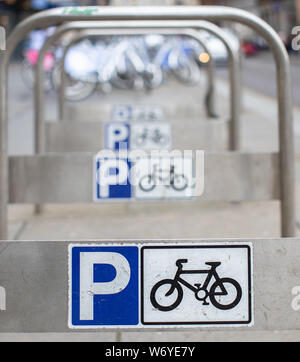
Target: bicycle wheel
{"type": "Point", "coordinates": [180, 182]}
{"type": "Point", "coordinates": [75, 90]}
{"type": "Point", "coordinates": [147, 183]}
{"type": "Point", "coordinates": [230, 299]}
{"type": "Point", "coordinates": [139, 140]}
{"type": "Point", "coordinates": [184, 68]}
{"type": "Point", "coordinates": [27, 74]}
{"type": "Point", "coordinates": [153, 77]}
{"type": "Point", "coordinates": [159, 295]}
{"type": "Point", "coordinates": [161, 140]}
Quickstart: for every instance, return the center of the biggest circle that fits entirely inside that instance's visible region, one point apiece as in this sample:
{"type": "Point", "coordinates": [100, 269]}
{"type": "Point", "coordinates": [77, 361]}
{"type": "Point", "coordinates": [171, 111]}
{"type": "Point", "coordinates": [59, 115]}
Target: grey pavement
{"type": "Point", "coordinates": [155, 220]}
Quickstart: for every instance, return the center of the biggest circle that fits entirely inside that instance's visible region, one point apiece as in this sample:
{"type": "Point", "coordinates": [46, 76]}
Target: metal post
{"type": "Point", "coordinates": [103, 32]}
{"type": "Point", "coordinates": [209, 13]}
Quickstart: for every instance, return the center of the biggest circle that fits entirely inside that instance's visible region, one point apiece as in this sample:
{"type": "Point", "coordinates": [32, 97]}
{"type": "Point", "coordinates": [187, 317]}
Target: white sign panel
{"type": "Point", "coordinates": [136, 113]}
{"type": "Point", "coordinates": [196, 285]}
{"type": "Point", "coordinates": [165, 285]}
{"type": "Point", "coordinates": [164, 178]}
{"type": "Point", "coordinates": [147, 113]}
{"type": "Point", "coordinates": [150, 135]}
{"type": "Point", "coordinates": [137, 135]}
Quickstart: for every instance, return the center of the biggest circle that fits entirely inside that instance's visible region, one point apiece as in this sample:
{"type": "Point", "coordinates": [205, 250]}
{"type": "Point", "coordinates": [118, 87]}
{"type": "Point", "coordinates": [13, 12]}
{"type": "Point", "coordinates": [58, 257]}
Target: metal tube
{"type": "Point", "coordinates": [103, 32]}
{"type": "Point", "coordinates": [209, 13]}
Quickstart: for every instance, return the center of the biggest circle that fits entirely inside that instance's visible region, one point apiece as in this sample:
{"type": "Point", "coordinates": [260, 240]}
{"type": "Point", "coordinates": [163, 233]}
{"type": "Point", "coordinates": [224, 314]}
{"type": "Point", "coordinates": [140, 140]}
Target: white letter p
{"type": "Point", "coordinates": [88, 288]}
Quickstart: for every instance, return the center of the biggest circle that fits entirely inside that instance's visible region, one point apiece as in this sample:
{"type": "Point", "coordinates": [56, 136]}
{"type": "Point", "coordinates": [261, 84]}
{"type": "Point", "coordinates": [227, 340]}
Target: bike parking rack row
{"type": "Point", "coordinates": [41, 304]}
{"type": "Point", "coordinates": [53, 136]}
{"type": "Point", "coordinates": [286, 148]}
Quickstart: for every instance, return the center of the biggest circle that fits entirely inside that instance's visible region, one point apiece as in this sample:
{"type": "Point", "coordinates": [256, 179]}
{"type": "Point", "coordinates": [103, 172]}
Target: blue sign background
{"type": "Point", "coordinates": [109, 309]}
{"type": "Point", "coordinates": [125, 142]}
{"type": "Point", "coordinates": [123, 191]}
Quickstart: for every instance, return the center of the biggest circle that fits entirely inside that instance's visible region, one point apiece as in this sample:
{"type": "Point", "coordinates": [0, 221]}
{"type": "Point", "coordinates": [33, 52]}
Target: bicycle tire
{"type": "Point", "coordinates": [146, 189]}
{"type": "Point", "coordinates": [181, 188]}
{"type": "Point", "coordinates": [139, 140]}
{"type": "Point", "coordinates": [154, 81]}
{"type": "Point", "coordinates": [172, 306]}
{"type": "Point", "coordinates": [216, 284]}
{"type": "Point", "coordinates": [78, 91]}
{"type": "Point", "coordinates": [162, 141]}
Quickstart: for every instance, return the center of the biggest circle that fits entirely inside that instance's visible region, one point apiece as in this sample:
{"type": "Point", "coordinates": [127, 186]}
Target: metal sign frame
{"type": "Point", "coordinates": [209, 13]}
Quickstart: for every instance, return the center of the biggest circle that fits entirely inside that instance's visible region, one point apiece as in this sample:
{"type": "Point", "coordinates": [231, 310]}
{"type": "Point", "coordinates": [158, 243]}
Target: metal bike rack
{"type": "Point", "coordinates": [50, 178]}
{"type": "Point", "coordinates": [234, 67]}
{"type": "Point", "coordinates": [53, 136]}
{"type": "Point", "coordinates": [284, 189]}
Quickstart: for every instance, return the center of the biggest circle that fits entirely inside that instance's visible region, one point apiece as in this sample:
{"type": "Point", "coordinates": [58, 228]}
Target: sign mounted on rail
{"type": "Point", "coordinates": [165, 285]}
{"type": "Point", "coordinates": [147, 178]}
{"type": "Point", "coordinates": [123, 113]}
{"type": "Point", "coordinates": [137, 135]}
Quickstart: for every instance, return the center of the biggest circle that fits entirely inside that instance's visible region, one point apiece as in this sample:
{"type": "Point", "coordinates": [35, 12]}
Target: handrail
{"type": "Point", "coordinates": [180, 13]}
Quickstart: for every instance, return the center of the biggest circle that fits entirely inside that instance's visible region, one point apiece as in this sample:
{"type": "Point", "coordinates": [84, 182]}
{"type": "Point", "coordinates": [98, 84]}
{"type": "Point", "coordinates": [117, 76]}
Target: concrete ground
{"type": "Point", "coordinates": [163, 220]}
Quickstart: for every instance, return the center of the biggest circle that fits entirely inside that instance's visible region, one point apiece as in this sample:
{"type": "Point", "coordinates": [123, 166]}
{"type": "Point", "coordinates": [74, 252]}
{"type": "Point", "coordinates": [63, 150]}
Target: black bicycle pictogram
{"type": "Point", "coordinates": [155, 136]}
{"type": "Point", "coordinates": [166, 177]}
{"type": "Point", "coordinates": [167, 287]}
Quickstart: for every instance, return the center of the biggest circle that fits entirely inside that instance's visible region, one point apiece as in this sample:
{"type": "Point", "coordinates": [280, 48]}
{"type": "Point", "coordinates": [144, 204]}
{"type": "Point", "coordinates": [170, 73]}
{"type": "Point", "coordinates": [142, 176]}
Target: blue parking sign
{"type": "Point", "coordinates": [117, 136]}
{"type": "Point", "coordinates": [104, 286]}
{"type": "Point", "coordinates": [112, 178]}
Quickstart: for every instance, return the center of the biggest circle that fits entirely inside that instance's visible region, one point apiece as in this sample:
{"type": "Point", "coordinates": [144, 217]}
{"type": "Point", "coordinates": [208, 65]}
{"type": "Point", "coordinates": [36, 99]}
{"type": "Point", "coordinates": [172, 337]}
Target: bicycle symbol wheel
{"type": "Point", "coordinates": [224, 294]}
{"type": "Point", "coordinates": [166, 295]}
{"type": "Point", "coordinates": [147, 183]}
{"type": "Point", "coordinates": [180, 182]}
{"type": "Point", "coordinates": [229, 294]}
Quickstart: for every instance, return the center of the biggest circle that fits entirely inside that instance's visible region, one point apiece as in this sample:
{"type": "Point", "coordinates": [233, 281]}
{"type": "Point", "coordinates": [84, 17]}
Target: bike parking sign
{"type": "Point", "coordinates": [144, 112]}
{"type": "Point", "coordinates": [150, 135]}
{"type": "Point", "coordinates": [136, 285]}
{"type": "Point", "coordinates": [205, 284]}
{"type": "Point", "coordinates": [164, 177]}
{"type": "Point", "coordinates": [146, 178]}
{"type": "Point", "coordinates": [137, 135]}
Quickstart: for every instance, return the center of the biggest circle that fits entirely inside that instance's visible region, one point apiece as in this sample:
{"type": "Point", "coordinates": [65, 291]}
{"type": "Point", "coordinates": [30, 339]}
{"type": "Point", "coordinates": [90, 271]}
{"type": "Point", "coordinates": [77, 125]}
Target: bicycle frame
{"type": "Point", "coordinates": [157, 174]}
{"type": "Point", "coordinates": [210, 274]}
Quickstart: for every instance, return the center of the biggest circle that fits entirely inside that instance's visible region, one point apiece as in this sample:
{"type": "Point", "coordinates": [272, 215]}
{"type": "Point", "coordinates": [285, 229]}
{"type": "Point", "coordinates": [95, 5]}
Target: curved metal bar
{"type": "Point", "coordinates": [104, 32]}
{"type": "Point", "coordinates": [234, 66]}
{"type": "Point", "coordinates": [209, 13]}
